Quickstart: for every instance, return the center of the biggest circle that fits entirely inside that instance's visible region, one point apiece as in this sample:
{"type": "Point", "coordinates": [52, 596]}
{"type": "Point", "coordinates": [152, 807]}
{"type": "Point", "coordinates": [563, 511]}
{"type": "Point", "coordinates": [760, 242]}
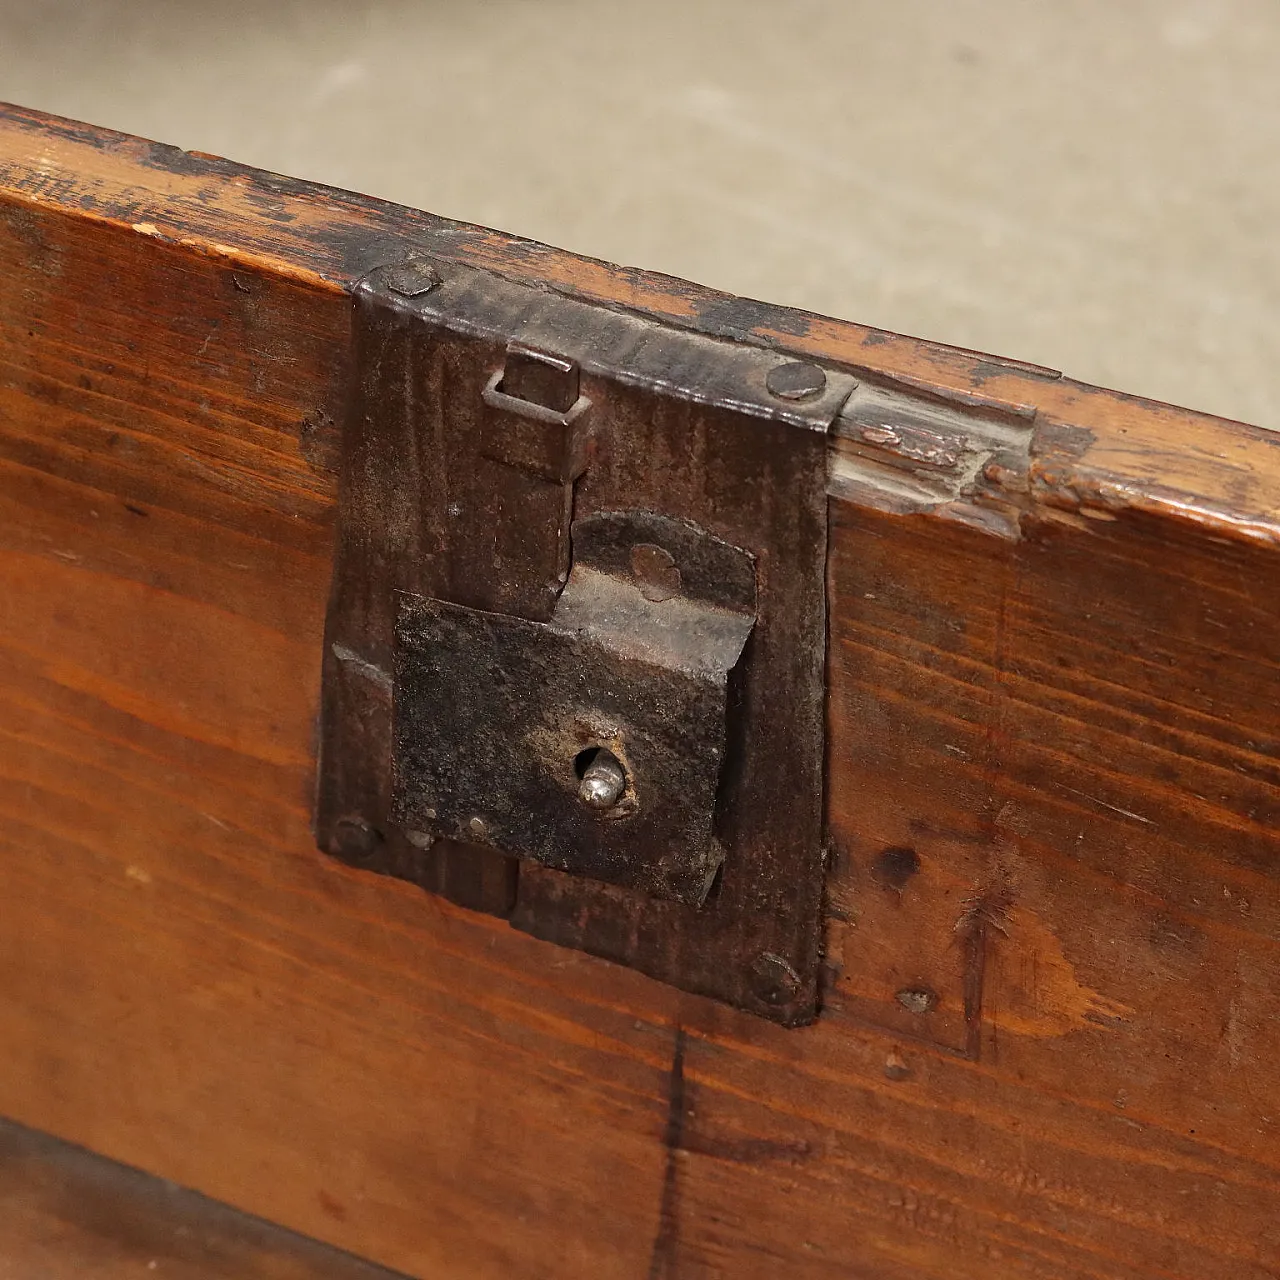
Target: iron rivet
{"type": "Point", "coordinates": [603, 782]}
{"type": "Point", "coordinates": [917, 999]}
{"type": "Point", "coordinates": [411, 279]}
{"type": "Point", "coordinates": [774, 980]}
{"type": "Point", "coordinates": [796, 381]}
{"type": "Point", "coordinates": [478, 827]}
{"type": "Point", "coordinates": [354, 839]}
{"type": "Point", "coordinates": [655, 570]}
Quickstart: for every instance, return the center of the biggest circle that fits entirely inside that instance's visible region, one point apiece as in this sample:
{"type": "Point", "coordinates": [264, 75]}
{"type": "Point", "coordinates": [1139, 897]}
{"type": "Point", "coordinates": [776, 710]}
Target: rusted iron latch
{"type": "Point", "coordinates": [575, 647]}
{"type": "Point", "coordinates": [499, 722]}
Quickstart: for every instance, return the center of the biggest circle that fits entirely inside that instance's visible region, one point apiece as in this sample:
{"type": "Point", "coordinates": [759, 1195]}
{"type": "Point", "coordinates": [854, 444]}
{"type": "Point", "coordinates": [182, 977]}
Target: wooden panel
{"type": "Point", "coordinates": [1052, 788]}
{"type": "Point", "coordinates": [1092, 883]}
{"type": "Point", "coordinates": [66, 1214]}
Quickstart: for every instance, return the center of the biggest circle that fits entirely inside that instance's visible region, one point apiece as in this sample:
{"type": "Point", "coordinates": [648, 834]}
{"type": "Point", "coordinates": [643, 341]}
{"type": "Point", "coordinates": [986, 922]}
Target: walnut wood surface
{"type": "Point", "coordinates": [1052, 792]}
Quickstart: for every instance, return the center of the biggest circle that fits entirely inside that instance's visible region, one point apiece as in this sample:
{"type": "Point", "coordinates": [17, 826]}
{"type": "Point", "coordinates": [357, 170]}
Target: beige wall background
{"type": "Point", "coordinates": [1090, 184]}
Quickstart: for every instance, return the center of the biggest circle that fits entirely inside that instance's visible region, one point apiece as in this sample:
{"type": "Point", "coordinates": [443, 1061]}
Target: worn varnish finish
{"type": "Point", "coordinates": [1052, 791]}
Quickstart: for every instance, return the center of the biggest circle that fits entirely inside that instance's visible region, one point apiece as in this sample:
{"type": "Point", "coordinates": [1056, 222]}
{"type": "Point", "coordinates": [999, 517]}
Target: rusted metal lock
{"type": "Point", "coordinates": [575, 647]}
{"type": "Point", "coordinates": [499, 721]}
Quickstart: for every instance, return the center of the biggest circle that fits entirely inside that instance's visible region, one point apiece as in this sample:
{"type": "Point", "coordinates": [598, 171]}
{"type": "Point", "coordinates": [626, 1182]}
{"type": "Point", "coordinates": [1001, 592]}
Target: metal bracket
{"type": "Point", "coordinates": [576, 639]}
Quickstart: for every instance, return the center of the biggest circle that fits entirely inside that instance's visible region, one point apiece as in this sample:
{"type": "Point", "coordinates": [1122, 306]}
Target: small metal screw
{"type": "Point", "coordinates": [917, 999]}
{"type": "Point", "coordinates": [774, 980]}
{"type": "Point", "coordinates": [478, 827]}
{"type": "Point", "coordinates": [411, 279]}
{"type": "Point", "coordinates": [603, 782]}
{"type": "Point", "coordinates": [796, 381]}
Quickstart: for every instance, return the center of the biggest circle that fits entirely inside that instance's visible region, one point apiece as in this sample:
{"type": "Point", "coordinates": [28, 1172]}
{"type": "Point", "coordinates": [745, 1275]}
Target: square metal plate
{"type": "Point", "coordinates": [496, 719]}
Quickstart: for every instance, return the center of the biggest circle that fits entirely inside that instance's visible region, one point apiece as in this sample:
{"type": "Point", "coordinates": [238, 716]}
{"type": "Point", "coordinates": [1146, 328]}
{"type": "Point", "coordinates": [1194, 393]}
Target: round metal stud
{"type": "Point", "coordinates": [656, 572]}
{"type": "Point", "coordinates": [796, 381]}
{"type": "Point", "coordinates": [354, 839]}
{"type": "Point", "coordinates": [774, 980]}
{"type": "Point", "coordinates": [411, 279]}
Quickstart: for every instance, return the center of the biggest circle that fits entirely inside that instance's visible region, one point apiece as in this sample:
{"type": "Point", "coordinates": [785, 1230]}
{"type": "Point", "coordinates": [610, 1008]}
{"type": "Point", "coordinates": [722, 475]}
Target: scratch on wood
{"type": "Point", "coordinates": [666, 1244]}
{"type": "Point", "coordinates": [983, 915]}
{"type": "Point", "coordinates": [1124, 813]}
{"type": "Point", "coordinates": [663, 1260]}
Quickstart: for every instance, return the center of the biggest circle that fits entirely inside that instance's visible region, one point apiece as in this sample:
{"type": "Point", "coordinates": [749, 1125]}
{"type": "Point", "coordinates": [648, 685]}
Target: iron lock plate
{"type": "Point", "coordinates": [497, 720]}
{"type": "Point", "coordinates": [567, 530]}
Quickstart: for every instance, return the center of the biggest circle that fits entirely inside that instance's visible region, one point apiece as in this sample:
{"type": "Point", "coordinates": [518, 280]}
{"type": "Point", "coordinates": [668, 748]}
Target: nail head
{"type": "Point", "coordinates": [796, 380]}
{"type": "Point", "coordinates": [917, 999]}
{"type": "Point", "coordinates": [411, 279]}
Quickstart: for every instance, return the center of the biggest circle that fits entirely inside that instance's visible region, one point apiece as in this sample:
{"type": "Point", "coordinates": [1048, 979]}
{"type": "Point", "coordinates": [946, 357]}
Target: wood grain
{"type": "Point", "coordinates": [1052, 797]}
{"type": "Point", "coordinates": [66, 1214]}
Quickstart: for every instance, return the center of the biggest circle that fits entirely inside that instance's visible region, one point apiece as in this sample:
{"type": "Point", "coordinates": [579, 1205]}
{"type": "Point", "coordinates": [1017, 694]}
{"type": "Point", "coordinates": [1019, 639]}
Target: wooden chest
{"type": "Point", "coordinates": [985, 986]}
